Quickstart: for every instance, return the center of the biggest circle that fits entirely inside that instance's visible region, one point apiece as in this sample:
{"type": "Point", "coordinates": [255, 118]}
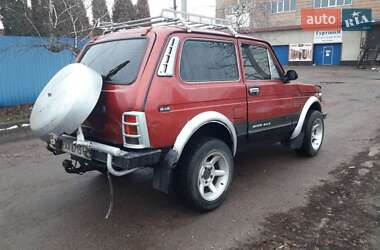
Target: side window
{"type": "Point", "coordinates": [258, 63]}
{"type": "Point", "coordinates": [203, 61]}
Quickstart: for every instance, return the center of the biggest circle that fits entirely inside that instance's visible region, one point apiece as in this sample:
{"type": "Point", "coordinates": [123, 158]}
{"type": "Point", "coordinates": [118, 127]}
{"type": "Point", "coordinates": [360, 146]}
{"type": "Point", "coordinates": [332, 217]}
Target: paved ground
{"type": "Point", "coordinates": [341, 214]}
{"type": "Point", "coordinates": [41, 207]}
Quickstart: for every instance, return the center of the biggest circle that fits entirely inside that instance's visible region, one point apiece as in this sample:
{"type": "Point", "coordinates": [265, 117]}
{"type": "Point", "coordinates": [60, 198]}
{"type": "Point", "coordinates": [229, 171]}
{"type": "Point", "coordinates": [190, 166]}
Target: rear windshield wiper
{"type": "Point", "coordinates": [115, 70]}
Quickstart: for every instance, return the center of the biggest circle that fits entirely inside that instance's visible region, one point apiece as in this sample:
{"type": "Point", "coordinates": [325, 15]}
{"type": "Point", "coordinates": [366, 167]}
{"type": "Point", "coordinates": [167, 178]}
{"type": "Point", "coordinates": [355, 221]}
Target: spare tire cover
{"type": "Point", "coordinates": [66, 101]}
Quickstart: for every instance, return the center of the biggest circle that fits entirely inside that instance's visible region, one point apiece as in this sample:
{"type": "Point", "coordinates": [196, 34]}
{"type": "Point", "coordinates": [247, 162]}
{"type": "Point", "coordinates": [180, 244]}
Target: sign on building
{"type": "Point", "coordinates": [356, 19]}
{"type": "Point", "coordinates": [328, 36]}
{"type": "Point", "coordinates": [301, 52]}
{"type": "Point", "coordinates": [321, 19]}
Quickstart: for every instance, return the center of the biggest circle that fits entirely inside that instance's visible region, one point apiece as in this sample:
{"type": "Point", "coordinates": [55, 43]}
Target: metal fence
{"type": "Point", "coordinates": [25, 68]}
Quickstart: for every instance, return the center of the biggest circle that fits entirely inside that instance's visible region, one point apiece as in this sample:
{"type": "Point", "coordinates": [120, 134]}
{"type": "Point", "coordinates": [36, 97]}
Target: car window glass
{"type": "Point", "coordinates": [273, 69]}
{"type": "Point", "coordinates": [258, 63]}
{"type": "Point", "coordinates": [203, 61]}
{"type": "Point", "coordinates": [104, 57]}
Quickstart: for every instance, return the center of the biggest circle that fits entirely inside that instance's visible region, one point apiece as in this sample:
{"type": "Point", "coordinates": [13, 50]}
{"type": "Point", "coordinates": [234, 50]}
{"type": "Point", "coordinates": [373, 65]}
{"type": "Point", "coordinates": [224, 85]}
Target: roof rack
{"type": "Point", "coordinates": [173, 18]}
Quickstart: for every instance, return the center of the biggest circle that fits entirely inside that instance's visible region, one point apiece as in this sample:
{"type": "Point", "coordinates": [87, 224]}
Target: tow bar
{"type": "Point", "coordinates": [84, 167]}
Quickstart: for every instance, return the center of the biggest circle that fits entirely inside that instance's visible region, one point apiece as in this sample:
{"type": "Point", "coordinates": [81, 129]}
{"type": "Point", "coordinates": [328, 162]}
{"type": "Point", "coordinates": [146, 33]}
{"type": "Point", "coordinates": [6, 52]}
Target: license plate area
{"type": "Point", "coordinates": [78, 150]}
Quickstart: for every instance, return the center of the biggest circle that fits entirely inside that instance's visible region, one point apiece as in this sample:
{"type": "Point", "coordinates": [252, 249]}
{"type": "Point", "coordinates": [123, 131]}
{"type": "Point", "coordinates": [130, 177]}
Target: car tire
{"type": "Point", "coordinates": [313, 130]}
{"type": "Point", "coordinates": [204, 173]}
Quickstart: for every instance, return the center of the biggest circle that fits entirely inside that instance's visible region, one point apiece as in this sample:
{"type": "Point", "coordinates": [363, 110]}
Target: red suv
{"type": "Point", "coordinates": [182, 101]}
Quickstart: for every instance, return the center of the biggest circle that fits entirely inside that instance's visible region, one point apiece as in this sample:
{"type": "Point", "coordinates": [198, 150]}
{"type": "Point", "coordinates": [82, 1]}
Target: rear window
{"type": "Point", "coordinates": [124, 55]}
{"type": "Point", "coordinates": [203, 61]}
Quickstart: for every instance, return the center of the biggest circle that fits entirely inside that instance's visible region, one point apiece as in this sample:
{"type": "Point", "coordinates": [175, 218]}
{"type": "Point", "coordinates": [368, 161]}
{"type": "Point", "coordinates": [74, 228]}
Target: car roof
{"type": "Point", "coordinates": [165, 31]}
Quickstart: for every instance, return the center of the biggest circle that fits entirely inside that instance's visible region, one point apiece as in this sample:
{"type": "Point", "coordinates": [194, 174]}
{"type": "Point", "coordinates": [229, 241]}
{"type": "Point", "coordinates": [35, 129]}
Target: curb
{"type": "Point", "coordinates": [5, 125]}
{"type": "Point", "coordinates": [15, 131]}
{"type": "Point", "coordinates": [16, 135]}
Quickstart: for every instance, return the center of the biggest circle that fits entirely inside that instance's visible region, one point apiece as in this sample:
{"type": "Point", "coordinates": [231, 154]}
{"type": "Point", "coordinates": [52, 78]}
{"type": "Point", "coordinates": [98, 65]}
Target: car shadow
{"type": "Point", "coordinates": [134, 193]}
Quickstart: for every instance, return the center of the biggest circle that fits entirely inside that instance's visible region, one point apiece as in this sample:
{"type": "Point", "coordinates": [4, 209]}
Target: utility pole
{"type": "Point", "coordinates": [175, 5]}
{"type": "Point", "coordinates": [184, 6]}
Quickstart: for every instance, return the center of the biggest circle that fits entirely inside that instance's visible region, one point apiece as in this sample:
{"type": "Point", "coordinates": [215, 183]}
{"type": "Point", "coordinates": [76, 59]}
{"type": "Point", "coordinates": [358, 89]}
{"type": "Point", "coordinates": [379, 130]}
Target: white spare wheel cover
{"type": "Point", "coordinates": [66, 101]}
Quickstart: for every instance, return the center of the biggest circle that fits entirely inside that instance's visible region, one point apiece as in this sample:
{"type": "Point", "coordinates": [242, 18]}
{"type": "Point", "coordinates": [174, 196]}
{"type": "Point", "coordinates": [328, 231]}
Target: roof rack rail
{"type": "Point", "coordinates": [172, 18]}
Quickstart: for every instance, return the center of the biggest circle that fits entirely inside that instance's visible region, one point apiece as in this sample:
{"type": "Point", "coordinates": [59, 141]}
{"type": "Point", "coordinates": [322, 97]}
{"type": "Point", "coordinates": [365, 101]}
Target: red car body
{"type": "Point", "coordinates": [150, 92]}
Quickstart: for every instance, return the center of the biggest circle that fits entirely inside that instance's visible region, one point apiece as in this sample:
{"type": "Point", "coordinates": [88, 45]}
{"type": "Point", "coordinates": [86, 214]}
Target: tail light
{"type": "Point", "coordinates": [135, 130]}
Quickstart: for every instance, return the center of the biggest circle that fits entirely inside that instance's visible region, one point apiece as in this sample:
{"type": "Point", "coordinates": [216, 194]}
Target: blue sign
{"type": "Point", "coordinates": [356, 19]}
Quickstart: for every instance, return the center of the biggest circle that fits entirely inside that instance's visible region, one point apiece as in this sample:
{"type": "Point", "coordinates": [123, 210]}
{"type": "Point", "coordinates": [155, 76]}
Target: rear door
{"type": "Point", "coordinates": [271, 110]}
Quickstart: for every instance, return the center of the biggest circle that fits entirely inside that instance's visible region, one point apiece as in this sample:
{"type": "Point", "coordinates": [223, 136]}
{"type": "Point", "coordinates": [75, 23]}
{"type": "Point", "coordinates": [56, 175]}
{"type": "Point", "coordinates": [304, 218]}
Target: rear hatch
{"type": "Point", "coordinates": [119, 63]}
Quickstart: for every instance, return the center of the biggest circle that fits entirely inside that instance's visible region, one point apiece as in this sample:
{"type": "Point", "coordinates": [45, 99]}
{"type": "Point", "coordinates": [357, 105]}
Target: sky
{"type": "Point", "coordinates": [202, 7]}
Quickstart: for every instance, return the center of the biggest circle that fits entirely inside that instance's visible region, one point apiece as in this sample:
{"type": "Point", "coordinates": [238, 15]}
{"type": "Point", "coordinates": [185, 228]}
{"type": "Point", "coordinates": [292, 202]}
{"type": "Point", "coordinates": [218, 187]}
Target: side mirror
{"type": "Point", "coordinates": [291, 75]}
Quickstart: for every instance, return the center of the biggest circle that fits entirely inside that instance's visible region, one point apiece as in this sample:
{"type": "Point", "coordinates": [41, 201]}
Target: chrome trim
{"type": "Point", "coordinates": [97, 146]}
{"type": "Point", "coordinates": [168, 60]}
{"type": "Point", "coordinates": [254, 91]}
{"type": "Point", "coordinates": [142, 130]}
{"type": "Point", "coordinates": [114, 172]}
{"type": "Point", "coordinates": [301, 120]}
{"type": "Point", "coordinates": [100, 147]}
{"type": "Point", "coordinates": [197, 122]}
{"type": "Point", "coordinates": [109, 150]}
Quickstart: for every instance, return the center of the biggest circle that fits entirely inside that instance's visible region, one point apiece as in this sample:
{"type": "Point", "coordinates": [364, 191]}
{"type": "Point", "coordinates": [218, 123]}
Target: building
{"type": "Point", "coordinates": [279, 22]}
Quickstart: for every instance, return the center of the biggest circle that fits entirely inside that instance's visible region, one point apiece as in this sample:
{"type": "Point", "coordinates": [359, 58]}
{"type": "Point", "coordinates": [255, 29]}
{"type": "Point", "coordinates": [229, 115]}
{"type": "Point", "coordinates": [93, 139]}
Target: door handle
{"type": "Point", "coordinates": [254, 91]}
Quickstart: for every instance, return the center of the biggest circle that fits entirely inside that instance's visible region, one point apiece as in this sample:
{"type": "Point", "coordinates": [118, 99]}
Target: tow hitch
{"type": "Point", "coordinates": [71, 167]}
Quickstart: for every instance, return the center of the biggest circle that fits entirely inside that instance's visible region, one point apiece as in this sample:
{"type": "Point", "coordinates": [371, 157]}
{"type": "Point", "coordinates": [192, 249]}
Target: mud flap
{"type": "Point", "coordinates": [296, 143]}
{"type": "Point", "coordinates": [162, 175]}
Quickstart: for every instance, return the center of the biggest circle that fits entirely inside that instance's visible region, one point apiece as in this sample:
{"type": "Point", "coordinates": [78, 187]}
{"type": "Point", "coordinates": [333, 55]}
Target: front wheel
{"type": "Point", "coordinates": [313, 130]}
{"type": "Point", "coordinates": [205, 173]}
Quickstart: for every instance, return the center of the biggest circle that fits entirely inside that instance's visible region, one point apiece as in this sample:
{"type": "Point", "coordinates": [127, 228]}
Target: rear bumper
{"type": "Point", "coordinates": [116, 161]}
{"type": "Point", "coordinates": [97, 154]}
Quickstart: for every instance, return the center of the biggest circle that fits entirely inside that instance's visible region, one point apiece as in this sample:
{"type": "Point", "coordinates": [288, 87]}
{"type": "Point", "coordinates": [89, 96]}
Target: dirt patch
{"type": "Point", "coordinates": [13, 115]}
{"type": "Point", "coordinates": [343, 214]}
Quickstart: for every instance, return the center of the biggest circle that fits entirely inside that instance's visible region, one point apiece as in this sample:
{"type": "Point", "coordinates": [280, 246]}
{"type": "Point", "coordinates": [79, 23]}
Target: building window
{"type": "Point", "coordinates": [281, 6]}
{"type": "Point", "coordinates": [331, 3]}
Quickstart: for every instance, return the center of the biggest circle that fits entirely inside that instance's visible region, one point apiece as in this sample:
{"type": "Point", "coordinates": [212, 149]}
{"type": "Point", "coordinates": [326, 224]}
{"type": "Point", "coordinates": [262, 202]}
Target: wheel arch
{"type": "Point", "coordinates": [209, 123]}
{"type": "Point", "coordinates": [316, 106]}
{"type": "Point", "coordinates": [312, 103]}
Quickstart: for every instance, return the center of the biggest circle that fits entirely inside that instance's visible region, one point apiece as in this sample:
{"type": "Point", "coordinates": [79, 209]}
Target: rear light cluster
{"type": "Point", "coordinates": [134, 129]}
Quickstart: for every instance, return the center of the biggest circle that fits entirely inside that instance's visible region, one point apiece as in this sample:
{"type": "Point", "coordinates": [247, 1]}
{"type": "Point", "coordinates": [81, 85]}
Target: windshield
{"type": "Point", "coordinates": [106, 57]}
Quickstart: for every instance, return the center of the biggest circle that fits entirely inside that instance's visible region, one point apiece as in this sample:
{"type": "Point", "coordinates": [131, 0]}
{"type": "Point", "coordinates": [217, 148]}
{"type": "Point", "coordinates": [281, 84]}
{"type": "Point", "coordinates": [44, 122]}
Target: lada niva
{"type": "Point", "coordinates": [180, 99]}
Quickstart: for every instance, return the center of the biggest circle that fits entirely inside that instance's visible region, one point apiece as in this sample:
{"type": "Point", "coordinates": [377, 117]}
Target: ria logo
{"type": "Point", "coordinates": [356, 19]}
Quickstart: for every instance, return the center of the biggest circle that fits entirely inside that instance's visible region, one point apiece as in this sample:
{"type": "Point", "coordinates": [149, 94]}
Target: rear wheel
{"type": "Point", "coordinates": [205, 173]}
{"type": "Point", "coordinates": [313, 130]}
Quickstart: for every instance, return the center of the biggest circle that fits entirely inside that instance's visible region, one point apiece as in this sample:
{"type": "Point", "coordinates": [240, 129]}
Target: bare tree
{"type": "Point", "coordinates": [123, 10]}
{"type": "Point", "coordinates": [249, 14]}
{"type": "Point", "coordinates": [13, 18]}
{"type": "Point", "coordinates": [241, 14]}
{"type": "Point", "coordinates": [142, 9]}
{"type": "Point", "coordinates": [40, 16]}
{"type": "Point", "coordinates": [59, 24]}
{"type": "Point", "coordinates": [100, 11]}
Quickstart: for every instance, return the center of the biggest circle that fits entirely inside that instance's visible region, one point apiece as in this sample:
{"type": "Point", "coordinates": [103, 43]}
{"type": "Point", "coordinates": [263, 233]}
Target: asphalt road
{"type": "Point", "coordinates": [42, 207]}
